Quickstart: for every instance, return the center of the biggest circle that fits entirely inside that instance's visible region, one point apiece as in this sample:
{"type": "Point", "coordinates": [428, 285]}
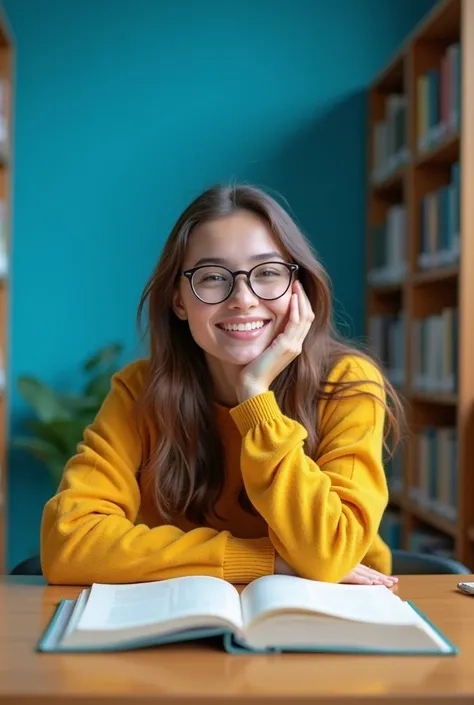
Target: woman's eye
{"type": "Point", "coordinates": [212, 278]}
{"type": "Point", "coordinates": [269, 273]}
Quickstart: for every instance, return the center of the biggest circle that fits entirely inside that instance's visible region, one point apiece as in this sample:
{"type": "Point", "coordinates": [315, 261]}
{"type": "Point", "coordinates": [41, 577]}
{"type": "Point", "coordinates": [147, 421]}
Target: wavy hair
{"type": "Point", "coordinates": [186, 466]}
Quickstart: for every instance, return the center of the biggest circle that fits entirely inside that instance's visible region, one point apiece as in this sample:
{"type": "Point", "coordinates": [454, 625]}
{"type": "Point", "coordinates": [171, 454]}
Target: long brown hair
{"type": "Point", "coordinates": [187, 463]}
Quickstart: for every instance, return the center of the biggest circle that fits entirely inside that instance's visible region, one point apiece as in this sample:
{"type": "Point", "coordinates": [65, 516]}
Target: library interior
{"type": "Point", "coordinates": [407, 144]}
{"type": "Point", "coordinates": [193, 504]}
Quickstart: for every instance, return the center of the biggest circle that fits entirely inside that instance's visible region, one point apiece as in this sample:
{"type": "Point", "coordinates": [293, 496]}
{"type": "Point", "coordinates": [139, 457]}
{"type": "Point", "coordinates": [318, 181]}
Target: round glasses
{"type": "Point", "coordinates": [213, 284]}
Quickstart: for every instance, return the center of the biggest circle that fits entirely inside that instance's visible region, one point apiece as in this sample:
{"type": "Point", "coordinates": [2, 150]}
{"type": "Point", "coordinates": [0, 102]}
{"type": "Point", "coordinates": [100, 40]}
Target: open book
{"type": "Point", "coordinates": [273, 613]}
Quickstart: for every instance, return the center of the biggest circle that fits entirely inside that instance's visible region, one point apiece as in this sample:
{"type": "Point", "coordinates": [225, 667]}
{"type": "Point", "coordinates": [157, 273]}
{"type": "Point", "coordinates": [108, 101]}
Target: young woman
{"type": "Point", "coordinates": [250, 442]}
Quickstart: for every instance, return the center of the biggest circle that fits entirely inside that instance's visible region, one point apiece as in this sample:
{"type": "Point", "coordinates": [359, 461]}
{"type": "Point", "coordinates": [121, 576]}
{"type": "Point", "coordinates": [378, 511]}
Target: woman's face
{"type": "Point", "coordinates": [239, 242]}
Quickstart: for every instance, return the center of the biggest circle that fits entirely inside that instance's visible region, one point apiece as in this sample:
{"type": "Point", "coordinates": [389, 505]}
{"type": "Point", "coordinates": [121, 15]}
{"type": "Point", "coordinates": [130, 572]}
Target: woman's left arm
{"type": "Point", "coordinates": [322, 515]}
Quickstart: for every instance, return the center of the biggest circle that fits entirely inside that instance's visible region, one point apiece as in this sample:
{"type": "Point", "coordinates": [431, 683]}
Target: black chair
{"type": "Point", "coordinates": [30, 566]}
{"type": "Point", "coordinates": [412, 563]}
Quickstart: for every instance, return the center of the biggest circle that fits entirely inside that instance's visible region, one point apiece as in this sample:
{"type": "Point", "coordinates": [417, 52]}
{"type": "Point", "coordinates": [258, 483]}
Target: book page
{"type": "Point", "coordinates": [365, 603]}
{"type": "Point", "coordinates": [113, 607]}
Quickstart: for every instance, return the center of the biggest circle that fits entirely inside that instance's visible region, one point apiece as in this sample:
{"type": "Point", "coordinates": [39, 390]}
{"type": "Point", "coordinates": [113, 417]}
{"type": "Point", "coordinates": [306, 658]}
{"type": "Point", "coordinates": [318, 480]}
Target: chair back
{"type": "Point", "coordinates": [30, 566]}
{"type": "Point", "coordinates": [412, 563]}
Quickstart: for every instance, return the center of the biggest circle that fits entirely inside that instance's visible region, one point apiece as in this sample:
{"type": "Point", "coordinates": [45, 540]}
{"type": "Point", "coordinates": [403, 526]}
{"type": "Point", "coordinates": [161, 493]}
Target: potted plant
{"type": "Point", "coordinates": [61, 418]}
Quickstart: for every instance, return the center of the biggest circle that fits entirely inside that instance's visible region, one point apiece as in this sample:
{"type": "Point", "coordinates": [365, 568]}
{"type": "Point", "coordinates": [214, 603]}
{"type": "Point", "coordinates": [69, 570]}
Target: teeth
{"type": "Point", "coordinates": [243, 326]}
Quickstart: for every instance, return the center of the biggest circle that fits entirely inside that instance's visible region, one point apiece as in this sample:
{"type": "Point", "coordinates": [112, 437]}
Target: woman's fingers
{"type": "Point", "coordinates": [363, 575]}
{"type": "Point", "coordinates": [376, 575]}
{"type": "Point", "coordinates": [356, 579]}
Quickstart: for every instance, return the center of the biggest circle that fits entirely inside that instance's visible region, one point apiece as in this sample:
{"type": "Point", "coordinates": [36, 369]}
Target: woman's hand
{"type": "Point", "coordinates": [257, 376]}
{"type": "Point", "coordinates": [362, 575]}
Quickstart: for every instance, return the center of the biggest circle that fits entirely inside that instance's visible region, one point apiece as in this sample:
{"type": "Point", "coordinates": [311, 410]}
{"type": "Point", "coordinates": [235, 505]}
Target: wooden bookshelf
{"type": "Point", "coordinates": [5, 176]}
{"type": "Point", "coordinates": [420, 274]}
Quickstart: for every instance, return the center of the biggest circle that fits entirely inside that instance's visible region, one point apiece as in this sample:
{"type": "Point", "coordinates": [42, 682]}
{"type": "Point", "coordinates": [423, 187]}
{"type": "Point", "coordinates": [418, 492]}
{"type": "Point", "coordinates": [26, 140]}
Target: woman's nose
{"type": "Point", "coordinates": [242, 295]}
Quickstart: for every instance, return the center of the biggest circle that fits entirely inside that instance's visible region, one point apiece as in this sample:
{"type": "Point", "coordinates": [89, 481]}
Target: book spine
{"type": "Point", "coordinates": [434, 484]}
{"type": "Point", "coordinates": [439, 224]}
{"type": "Point", "coordinates": [389, 264]}
{"type": "Point", "coordinates": [389, 138]}
{"type": "Point", "coordinates": [434, 353]}
{"type": "Point", "coordinates": [386, 335]}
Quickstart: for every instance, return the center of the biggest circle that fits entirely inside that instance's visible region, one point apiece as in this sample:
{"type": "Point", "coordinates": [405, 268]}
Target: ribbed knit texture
{"type": "Point", "coordinates": [248, 559]}
{"type": "Point", "coordinates": [254, 411]}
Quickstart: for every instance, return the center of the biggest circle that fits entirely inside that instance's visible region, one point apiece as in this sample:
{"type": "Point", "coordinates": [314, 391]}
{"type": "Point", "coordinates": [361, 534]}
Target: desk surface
{"type": "Point", "coordinates": [198, 675]}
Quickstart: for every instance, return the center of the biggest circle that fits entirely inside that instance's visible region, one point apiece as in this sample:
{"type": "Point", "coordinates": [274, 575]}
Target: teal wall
{"type": "Point", "coordinates": [125, 111]}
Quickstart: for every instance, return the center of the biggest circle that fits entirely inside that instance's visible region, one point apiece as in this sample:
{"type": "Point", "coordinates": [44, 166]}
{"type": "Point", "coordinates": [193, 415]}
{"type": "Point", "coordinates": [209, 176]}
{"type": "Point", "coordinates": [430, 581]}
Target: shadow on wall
{"type": "Point", "coordinates": [321, 172]}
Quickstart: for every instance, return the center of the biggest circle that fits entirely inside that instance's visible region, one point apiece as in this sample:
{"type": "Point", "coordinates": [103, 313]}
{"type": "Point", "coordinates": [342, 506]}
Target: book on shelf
{"type": "Point", "coordinates": [439, 99]}
{"type": "Point", "coordinates": [387, 338]}
{"type": "Point", "coordinates": [434, 344]}
{"type": "Point", "coordinates": [389, 248]}
{"type": "Point", "coordinates": [272, 613]}
{"type": "Point", "coordinates": [435, 471]}
{"type": "Point", "coordinates": [440, 224]}
{"type": "Point", "coordinates": [389, 139]}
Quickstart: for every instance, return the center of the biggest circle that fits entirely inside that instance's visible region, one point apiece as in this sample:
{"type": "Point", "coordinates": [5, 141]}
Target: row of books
{"type": "Point", "coordinates": [439, 99]}
{"type": "Point", "coordinates": [434, 485]}
{"type": "Point", "coordinates": [439, 234]}
{"type": "Point", "coordinates": [420, 540]}
{"type": "Point", "coordinates": [438, 115]}
{"type": "Point", "coordinates": [434, 349]}
{"type": "Point", "coordinates": [387, 338]}
{"type": "Point", "coordinates": [389, 143]}
{"type": "Point", "coordinates": [389, 250]}
{"type": "Point", "coordinates": [440, 224]}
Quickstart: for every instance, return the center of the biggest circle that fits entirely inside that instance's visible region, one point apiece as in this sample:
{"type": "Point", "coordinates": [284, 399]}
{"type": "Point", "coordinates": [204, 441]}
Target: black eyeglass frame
{"type": "Point", "coordinates": [189, 273]}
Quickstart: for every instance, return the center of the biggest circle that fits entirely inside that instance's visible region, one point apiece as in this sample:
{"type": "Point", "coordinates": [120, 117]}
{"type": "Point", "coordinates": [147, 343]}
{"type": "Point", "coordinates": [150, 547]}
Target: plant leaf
{"type": "Point", "coordinates": [105, 355]}
{"type": "Point", "coordinates": [64, 435]}
{"type": "Point", "coordinates": [53, 460]}
{"type": "Point", "coordinates": [41, 449]}
{"type": "Point", "coordinates": [76, 404]}
{"type": "Point", "coordinates": [43, 400]}
{"type": "Point", "coordinates": [99, 387]}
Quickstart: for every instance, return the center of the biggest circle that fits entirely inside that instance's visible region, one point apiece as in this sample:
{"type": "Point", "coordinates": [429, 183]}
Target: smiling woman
{"type": "Point", "coordinates": [250, 441]}
{"type": "Point", "coordinates": [253, 296]}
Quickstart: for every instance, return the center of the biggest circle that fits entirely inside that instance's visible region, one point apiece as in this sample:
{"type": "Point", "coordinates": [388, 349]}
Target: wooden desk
{"type": "Point", "coordinates": [192, 675]}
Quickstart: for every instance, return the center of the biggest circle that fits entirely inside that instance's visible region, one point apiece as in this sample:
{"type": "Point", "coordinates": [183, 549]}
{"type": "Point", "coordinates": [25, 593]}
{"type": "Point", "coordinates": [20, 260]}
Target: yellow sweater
{"type": "Point", "coordinates": [321, 515]}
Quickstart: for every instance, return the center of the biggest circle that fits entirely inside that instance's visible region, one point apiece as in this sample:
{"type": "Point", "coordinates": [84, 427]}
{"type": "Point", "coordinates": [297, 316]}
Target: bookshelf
{"type": "Point", "coordinates": [420, 275]}
{"type": "Point", "coordinates": [5, 177]}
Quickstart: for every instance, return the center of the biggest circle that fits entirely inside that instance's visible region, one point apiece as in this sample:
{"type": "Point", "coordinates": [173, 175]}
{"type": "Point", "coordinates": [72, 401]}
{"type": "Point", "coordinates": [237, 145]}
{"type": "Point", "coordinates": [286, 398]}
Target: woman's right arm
{"type": "Point", "coordinates": [88, 531]}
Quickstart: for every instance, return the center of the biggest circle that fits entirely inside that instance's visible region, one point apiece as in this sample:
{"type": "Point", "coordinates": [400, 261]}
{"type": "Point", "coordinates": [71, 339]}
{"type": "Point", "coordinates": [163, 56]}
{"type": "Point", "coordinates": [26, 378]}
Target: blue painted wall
{"type": "Point", "coordinates": [125, 111]}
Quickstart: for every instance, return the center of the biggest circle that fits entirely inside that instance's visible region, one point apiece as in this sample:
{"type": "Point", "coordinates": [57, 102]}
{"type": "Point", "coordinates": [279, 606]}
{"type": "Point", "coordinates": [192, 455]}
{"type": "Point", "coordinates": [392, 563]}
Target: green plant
{"type": "Point", "coordinates": [61, 418]}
